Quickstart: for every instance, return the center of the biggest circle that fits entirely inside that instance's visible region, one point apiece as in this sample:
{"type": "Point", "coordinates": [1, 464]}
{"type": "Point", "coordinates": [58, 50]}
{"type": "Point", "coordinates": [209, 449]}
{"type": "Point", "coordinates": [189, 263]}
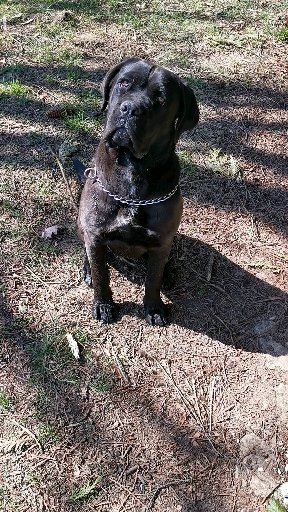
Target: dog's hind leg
{"type": "Point", "coordinates": [103, 305]}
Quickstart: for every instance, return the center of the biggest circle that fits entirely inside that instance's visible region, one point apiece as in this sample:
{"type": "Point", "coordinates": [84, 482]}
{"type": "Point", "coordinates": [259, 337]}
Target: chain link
{"type": "Point", "coordinates": [131, 202]}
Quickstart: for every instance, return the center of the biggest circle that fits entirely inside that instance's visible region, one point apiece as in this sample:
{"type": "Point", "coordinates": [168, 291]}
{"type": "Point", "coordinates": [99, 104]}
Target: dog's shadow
{"type": "Point", "coordinates": [212, 295]}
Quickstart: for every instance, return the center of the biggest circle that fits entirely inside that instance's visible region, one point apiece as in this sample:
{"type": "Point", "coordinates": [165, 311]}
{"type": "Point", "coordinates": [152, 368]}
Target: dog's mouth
{"type": "Point", "coordinates": [121, 138]}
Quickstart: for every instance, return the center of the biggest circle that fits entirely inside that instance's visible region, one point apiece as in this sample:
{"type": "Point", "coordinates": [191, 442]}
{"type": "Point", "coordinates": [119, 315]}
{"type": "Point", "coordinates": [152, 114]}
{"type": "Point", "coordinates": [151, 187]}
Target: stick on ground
{"type": "Point", "coordinates": [65, 179]}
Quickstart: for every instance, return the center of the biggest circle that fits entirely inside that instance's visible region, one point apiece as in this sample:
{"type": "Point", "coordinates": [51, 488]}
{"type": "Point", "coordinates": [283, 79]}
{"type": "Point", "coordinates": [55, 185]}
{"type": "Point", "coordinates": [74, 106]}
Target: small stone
{"type": "Point", "coordinates": [259, 462]}
{"type": "Point", "coordinates": [50, 232]}
{"type": "Point", "coordinates": [253, 462]}
{"type": "Point", "coordinates": [263, 484]}
{"type": "Point", "coordinates": [252, 444]}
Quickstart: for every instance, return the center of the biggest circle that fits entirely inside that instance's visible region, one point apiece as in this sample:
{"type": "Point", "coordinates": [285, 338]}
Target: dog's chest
{"type": "Point", "coordinates": [125, 217]}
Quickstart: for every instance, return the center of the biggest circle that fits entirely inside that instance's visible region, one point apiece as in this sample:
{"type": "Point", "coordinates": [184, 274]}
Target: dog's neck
{"type": "Point", "coordinates": [154, 174]}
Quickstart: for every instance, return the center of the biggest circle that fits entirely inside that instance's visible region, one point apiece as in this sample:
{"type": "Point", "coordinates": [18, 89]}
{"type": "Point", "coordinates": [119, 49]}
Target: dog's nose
{"type": "Point", "coordinates": [128, 109]}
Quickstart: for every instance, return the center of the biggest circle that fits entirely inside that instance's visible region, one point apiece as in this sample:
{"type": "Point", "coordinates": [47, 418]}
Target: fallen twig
{"type": "Point", "coordinates": [211, 399]}
{"type": "Point", "coordinates": [191, 409]}
{"type": "Point", "coordinates": [46, 283]}
{"type": "Point", "coordinates": [185, 401]}
{"type": "Point", "coordinates": [196, 399]}
{"type": "Point", "coordinates": [28, 21]}
{"type": "Point", "coordinates": [25, 429]}
{"type": "Point", "coordinates": [215, 286]}
{"type": "Point", "coordinates": [210, 267]}
{"type": "Point", "coordinates": [161, 488]}
{"type": "Point", "coordinates": [129, 493]}
{"type": "Point", "coordinates": [120, 367]}
{"type": "Point", "coordinates": [227, 327]}
{"type": "Point", "coordinates": [271, 493]}
{"type": "Point", "coordinates": [65, 179]}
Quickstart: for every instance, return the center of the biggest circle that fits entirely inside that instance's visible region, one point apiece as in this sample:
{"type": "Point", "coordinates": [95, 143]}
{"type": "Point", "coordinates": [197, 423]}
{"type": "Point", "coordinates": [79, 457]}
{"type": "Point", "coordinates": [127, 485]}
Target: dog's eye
{"type": "Point", "coordinates": [123, 84]}
{"type": "Point", "coordinates": [160, 98]}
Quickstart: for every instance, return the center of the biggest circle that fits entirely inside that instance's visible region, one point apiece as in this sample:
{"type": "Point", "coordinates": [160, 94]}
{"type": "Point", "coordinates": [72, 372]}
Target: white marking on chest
{"type": "Point", "coordinates": [125, 216]}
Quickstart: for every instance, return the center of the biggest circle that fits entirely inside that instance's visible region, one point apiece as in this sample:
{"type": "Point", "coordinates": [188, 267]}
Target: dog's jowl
{"type": "Point", "coordinates": [131, 201]}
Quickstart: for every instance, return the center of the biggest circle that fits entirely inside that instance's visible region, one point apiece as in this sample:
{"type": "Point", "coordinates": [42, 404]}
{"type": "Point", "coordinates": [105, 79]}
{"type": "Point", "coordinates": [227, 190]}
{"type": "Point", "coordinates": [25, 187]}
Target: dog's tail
{"type": "Point", "coordinates": [80, 169]}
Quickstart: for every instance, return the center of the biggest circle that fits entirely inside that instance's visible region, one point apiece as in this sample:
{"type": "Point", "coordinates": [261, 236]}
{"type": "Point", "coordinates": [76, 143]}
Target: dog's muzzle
{"type": "Point", "coordinates": [120, 137]}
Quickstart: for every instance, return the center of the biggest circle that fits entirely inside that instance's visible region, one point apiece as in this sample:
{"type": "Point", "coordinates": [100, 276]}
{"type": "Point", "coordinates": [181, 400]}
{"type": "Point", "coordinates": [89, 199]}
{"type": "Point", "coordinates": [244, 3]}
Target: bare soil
{"type": "Point", "coordinates": [150, 418]}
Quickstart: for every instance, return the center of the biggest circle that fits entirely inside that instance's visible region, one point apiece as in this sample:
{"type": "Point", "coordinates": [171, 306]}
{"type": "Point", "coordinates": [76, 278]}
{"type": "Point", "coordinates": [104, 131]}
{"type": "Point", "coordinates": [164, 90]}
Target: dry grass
{"type": "Point", "coordinates": [149, 418]}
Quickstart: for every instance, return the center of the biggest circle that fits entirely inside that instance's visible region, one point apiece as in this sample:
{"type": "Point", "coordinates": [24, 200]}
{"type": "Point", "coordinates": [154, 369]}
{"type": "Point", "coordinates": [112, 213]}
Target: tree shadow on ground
{"type": "Point", "coordinates": [89, 437]}
{"type": "Point", "coordinates": [266, 204]}
{"type": "Point", "coordinates": [231, 305]}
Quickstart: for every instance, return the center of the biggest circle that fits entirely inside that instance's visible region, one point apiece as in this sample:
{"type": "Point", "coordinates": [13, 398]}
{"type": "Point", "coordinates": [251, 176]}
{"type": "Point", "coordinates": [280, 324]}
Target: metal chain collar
{"type": "Point", "coordinates": [131, 202]}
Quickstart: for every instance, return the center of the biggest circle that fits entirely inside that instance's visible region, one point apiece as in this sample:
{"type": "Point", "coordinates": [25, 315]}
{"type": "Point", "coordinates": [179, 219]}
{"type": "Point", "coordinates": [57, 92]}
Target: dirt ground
{"type": "Point", "coordinates": [187, 418]}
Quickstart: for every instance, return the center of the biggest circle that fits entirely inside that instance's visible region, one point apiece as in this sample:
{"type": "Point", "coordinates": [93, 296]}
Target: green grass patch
{"type": "Point", "coordinates": [73, 73]}
{"type": "Point", "coordinates": [41, 403]}
{"type": "Point", "coordinates": [275, 506]}
{"type": "Point", "coordinates": [13, 233]}
{"type": "Point", "coordinates": [5, 402]}
{"type": "Point", "coordinates": [14, 88]}
{"type": "Point", "coordinates": [12, 7]}
{"type": "Point", "coordinates": [197, 84]}
{"type": "Point", "coordinates": [90, 98]}
{"type": "Point", "coordinates": [12, 70]}
{"type": "Point", "coordinates": [50, 354]}
{"type": "Point", "coordinates": [282, 34]}
{"type": "Point", "coordinates": [79, 122]}
{"type": "Point", "coordinates": [68, 56]}
{"type": "Point", "coordinates": [224, 164]}
{"type": "Point", "coordinates": [102, 383]}
{"type": "Point", "coordinates": [9, 207]}
{"type": "Point", "coordinates": [186, 162]}
{"type": "Point", "coordinates": [35, 478]}
{"type": "Point", "coordinates": [51, 79]}
{"type": "Point", "coordinates": [52, 52]}
{"type": "Point", "coordinates": [85, 492]}
{"type": "Point", "coordinates": [48, 432]}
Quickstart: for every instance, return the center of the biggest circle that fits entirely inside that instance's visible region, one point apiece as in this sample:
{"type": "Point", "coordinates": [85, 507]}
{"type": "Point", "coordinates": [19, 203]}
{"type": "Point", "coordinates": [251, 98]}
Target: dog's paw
{"type": "Point", "coordinates": [104, 311]}
{"type": "Point", "coordinates": [86, 274]}
{"type": "Point", "coordinates": [87, 278]}
{"type": "Point", "coordinates": [156, 315]}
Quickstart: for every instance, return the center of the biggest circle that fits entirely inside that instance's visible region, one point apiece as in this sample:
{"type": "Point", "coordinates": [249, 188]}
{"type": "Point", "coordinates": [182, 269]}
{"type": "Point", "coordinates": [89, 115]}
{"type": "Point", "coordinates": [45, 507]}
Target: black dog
{"type": "Point", "coordinates": [131, 200]}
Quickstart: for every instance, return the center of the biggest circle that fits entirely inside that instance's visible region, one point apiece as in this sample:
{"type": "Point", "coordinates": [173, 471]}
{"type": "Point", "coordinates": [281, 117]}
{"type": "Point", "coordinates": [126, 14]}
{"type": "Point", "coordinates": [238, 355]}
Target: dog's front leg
{"type": "Point", "coordinates": [103, 306]}
{"type": "Point", "coordinates": [155, 309]}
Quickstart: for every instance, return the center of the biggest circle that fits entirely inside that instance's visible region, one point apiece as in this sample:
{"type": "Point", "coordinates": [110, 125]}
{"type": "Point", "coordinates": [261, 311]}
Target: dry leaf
{"type": "Point", "coordinates": [73, 345]}
{"type": "Point", "coordinates": [48, 233]}
{"type": "Point", "coordinates": [60, 111]}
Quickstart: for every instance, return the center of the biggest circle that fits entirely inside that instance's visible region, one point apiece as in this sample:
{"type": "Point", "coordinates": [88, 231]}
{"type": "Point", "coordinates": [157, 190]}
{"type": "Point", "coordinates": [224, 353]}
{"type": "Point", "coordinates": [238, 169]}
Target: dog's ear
{"type": "Point", "coordinates": [188, 114]}
{"type": "Point", "coordinates": [109, 79]}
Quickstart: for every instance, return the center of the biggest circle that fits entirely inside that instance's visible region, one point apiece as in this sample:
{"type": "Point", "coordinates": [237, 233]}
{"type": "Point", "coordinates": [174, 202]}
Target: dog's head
{"type": "Point", "coordinates": [148, 106]}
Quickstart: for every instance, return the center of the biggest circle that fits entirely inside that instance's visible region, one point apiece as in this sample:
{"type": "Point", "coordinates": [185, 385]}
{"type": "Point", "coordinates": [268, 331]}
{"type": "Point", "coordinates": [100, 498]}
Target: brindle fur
{"type": "Point", "coordinates": [135, 159]}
